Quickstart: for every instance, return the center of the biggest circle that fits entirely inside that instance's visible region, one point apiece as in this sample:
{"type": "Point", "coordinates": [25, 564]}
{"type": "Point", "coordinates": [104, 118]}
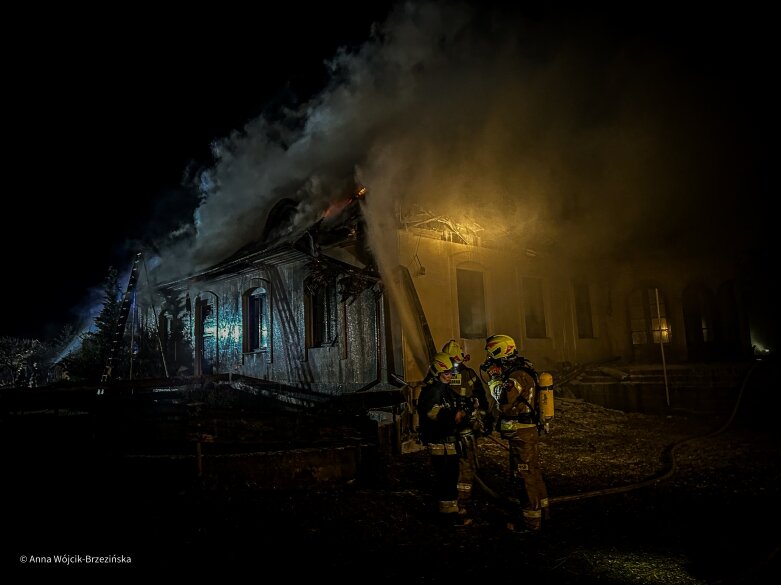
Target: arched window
{"type": "Point", "coordinates": [727, 330]}
{"type": "Point", "coordinates": [534, 308]}
{"type": "Point", "coordinates": [583, 313]}
{"type": "Point", "coordinates": [206, 333]}
{"type": "Point", "coordinates": [279, 218]}
{"type": "Point", "coordinates": [165, 328]}
{"type": "Point", "coordinates": [321, 307]}
{"type": "Point", "coordinates": [256, 319]}
{"type": "Point", "coordinates": [648, 317]}
{"type": "Point", "coordinates": [698, 321]}
{"type": "Point", "coordinates": [471, 304]}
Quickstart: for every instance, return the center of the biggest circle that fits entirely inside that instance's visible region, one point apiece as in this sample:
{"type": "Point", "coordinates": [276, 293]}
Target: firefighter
{"type": "Point", "coordinates": [440, 418]}
{"type": "Point", "coordinates": [513, 382]}
{"type": "Point", "coordinates": [472, 399]}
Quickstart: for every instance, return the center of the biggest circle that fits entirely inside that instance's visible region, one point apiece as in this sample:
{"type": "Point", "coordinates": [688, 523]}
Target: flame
{"type": "Point", "coordinates": [335, 207]}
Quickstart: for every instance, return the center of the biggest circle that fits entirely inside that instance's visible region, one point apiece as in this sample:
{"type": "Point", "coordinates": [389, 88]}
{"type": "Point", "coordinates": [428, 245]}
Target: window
{"type": "Point", "coordinates": [471, 304]}
{"type": "Point", "coordinates": [698, 313]}
{"type": "Point", "coordinates": [256, 319]}
{"type": "Point", "coordinates": [534, 308]}
{"type": "Point", "coordinates": [648, 321]}
{"type": "Point", "coordinates": [279, 218]}
{"type": "Point", "coordinates": [165, 328]}
{"type": "Point", "coordinates": [205, 336]}
{"type": "Point", "coordinates": [583, 316]}
{"type": "Point", "coordinates": [321, 322]}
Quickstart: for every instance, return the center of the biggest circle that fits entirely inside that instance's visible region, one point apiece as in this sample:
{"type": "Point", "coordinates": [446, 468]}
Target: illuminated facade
{"type": "Point", "coordinates": [313, 310]}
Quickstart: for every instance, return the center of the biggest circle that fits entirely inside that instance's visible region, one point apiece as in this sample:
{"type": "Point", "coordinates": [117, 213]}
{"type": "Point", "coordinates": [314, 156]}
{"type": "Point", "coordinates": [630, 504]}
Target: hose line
{"type": "Point", "coordinates": [668, 453]}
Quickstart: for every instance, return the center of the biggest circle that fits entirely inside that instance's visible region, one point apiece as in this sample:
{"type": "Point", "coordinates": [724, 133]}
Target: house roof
{"type": "Point", "coordinates": [301, 244]}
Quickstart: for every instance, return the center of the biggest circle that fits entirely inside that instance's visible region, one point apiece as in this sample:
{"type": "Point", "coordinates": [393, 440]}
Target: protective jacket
{"type": "Point", "coordinates": [471, 398]}
{"type": "Point", "coordinates": [437, 407]}
{"type": "Point", "coordinates": [513, 384]}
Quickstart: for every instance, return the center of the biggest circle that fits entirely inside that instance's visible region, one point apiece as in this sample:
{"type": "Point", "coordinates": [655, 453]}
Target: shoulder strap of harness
{"type": "Point", "coordinates": [524, 365]}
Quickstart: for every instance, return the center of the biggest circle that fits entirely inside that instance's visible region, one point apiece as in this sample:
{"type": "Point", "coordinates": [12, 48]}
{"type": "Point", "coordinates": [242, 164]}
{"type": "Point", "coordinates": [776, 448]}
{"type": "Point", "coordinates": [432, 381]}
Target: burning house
{"type": "Point", "coordinates": [315, 310]}
{"type": "Point", "coordinates": [571, 205]}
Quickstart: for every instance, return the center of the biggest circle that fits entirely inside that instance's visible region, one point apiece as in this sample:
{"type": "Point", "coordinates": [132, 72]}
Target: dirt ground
{"type": "Point", "coordinates": [636, 499]}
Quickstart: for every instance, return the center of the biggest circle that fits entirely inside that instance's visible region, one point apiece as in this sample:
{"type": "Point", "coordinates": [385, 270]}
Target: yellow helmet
{"type": "Point", "coordinates": [500, 346]}
{"type": "Point", "coordinates": [453, 349]}
{"type": "Point", "coordinates": [441, 362]}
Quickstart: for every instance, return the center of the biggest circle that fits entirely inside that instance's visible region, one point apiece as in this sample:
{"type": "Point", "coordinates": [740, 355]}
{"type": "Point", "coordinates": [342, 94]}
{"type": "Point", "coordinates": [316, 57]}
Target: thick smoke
{"type": "Point", "coordinates": [581, 136]}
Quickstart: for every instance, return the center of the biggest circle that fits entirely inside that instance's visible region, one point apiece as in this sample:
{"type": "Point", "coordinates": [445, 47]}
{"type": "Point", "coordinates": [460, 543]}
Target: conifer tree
{"type": "Point", "coordinates": [90, 360]}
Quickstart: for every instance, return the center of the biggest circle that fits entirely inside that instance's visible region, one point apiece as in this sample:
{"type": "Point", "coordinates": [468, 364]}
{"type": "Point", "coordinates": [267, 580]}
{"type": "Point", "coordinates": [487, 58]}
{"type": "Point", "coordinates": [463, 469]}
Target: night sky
{"type": "Point", "coordinates": [104, 120]}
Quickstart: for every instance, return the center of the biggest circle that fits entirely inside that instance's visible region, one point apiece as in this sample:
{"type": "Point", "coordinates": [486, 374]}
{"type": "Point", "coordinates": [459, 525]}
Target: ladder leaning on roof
{"type": "Point", "coordinates": [119, 329]}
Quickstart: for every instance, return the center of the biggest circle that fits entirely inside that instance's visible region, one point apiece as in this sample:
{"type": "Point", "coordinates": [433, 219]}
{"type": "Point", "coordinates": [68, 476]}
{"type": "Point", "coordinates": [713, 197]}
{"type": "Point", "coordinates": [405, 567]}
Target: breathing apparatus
{"type": "Point", "coordinates": [502, 360]}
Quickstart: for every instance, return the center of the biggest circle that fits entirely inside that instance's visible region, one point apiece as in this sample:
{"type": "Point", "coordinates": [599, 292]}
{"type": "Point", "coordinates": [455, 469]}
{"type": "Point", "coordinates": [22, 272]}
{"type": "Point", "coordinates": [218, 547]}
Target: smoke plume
{"type": "Point", "coordinates": [597, 138]}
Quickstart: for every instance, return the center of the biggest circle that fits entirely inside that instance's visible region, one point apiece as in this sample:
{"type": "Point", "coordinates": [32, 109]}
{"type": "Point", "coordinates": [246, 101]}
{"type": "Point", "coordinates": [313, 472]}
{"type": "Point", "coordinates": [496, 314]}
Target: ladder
{"type": "Point", "coordinates": [119, 330]}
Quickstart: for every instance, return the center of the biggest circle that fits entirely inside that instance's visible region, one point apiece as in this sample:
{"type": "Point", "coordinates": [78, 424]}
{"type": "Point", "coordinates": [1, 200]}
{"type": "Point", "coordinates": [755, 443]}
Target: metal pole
{"type": "Point", "coordinates": [661, 345]}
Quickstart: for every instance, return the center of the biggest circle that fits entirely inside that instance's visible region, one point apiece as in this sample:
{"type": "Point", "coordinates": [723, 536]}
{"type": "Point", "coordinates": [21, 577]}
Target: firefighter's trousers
{"type": "Point", "coordinates": [467, 465]}
{"type": "Point", "coordinates": [444, 464]}
{"type": "Point", "coordinates": [527, 474]}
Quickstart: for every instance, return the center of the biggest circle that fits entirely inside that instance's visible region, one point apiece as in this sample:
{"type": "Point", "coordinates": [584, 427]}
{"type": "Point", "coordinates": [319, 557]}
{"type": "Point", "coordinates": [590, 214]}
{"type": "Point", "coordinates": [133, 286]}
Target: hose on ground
{"type": "Point", "coordinates": [668, 454]}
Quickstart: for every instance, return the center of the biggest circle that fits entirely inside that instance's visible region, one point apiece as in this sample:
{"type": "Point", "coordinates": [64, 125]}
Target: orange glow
{"type": "Point", "coordinates": [335, 207]}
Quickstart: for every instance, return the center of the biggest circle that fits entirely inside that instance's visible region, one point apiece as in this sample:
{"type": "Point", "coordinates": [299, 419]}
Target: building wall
{"type": "Point", "coordinates": [609, 285]}
{"type": "Point", "coordinates": [368, 331]}
{"type": "Point", "coordinates": [503, 273]}
{"type": "Point", "coordinates": [350, 364]}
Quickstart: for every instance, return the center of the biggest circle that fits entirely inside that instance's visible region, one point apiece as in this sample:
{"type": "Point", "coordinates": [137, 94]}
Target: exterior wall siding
{"type": "Point", "coordinates": [348, 365]}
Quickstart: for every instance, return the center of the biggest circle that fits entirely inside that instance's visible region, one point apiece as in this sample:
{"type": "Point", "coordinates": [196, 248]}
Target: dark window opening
{"type": "Point", "coordinates": [583, 314]}
{"type": "Point", "coordinates": [471, 304]}
{"type": "Point", "coordinates": [279, 218]}
{"type": "Point", "coordinates": [698, 322]}
{"type": "Point", "coordinates": [322, 317]}
{"type": "Point", "coordinates": [256, 320]}
{"type": "Point", "coordinates": [165, 329]}
{"type": "Point", "coordinates": [534, 308]}
{"type": "Point", "coordinates": [206, 336]}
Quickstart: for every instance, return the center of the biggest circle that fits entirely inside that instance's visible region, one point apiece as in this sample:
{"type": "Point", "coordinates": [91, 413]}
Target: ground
{"type": "Point", "coordinates": [636, 499]}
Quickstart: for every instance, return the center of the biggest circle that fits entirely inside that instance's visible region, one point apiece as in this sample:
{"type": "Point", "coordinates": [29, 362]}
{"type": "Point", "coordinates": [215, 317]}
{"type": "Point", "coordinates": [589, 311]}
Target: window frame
{"type": "Point", "coordinates": [256, 319]}
{"type": "Point", "coordinates": [322, 315]}
{"type": "Point", "coordinates": [646, 327]}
